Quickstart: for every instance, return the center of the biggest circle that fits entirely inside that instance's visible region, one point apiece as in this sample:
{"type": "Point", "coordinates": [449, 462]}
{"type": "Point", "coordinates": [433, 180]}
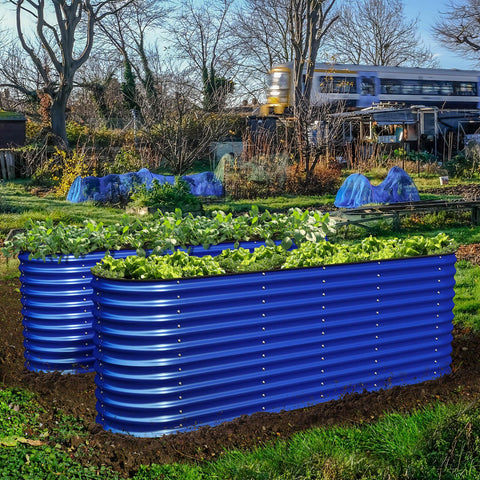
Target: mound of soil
{"type": "Point", "coordinates": [467, 192]}
{"type": "Point", "coordinates": [75, 395]}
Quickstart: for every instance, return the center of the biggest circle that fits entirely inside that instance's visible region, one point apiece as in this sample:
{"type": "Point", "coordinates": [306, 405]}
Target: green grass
{"type": "Point", "coordinates": [28, 451]}
{"type": "Point", "coordinates": [467, 296]}
{"type": "Point", "coordinates": [9, 268]}
{"type": "Point", "coordinates": [432, 442]}
{"type": "Point", "coordinates": [442, 441]}
{"type": "Point", "coordinates": [281, 203]}
{"type": "Point", "coordinates": [17, 205]}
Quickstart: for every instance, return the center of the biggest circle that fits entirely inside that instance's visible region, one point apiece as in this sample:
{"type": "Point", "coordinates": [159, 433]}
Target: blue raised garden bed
{"type": "Point", "coordinates": [176, 354]}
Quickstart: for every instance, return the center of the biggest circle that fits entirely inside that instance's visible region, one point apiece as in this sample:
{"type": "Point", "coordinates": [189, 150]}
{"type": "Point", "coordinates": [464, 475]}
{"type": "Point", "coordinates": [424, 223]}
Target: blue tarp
{"type": "Point", "coordinates": [115, 188]}
{"type": "Point", "coordinates": [357, 190]}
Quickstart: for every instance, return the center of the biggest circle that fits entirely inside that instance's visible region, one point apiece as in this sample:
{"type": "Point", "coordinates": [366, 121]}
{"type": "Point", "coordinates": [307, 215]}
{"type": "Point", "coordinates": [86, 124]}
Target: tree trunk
{"type": "Point", "coordinates": [59, 118]}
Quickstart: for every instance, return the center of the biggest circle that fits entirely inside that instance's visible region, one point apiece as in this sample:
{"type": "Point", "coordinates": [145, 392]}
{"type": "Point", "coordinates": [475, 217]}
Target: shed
{"type": "Point", "coordinates": [12, 129]}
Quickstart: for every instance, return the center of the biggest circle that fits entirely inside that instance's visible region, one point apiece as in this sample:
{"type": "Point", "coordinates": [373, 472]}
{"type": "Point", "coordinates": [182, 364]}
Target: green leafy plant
{"type": "Point", "coordinates": [45, 238]}
{"type": "Point", "coordinates": [243, 260]}
{"type": "Point", "coordinates": [177, 265]}
{"type": "Point", "coordinates": [126, 160]}
{"type": "Point", "coordinates": [309, 254]}
{"type": "Point", "coordinates": [167, 197]}
{"type": "Point", "coordinates": [18, 411]}
{"type": "Point", "coordinates": [166, 232]}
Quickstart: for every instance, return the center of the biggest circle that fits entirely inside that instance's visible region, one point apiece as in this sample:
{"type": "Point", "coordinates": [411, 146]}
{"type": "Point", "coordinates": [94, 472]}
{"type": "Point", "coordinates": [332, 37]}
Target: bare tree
{"type": "Point", "coordinates": [376, 32]}
{"type": "Point", "coordinates": [262, 39]}
{"type": "Point", "coordinates": [127, 30]}
{"type": "Point", "coordinates": [261, 27]}
{"type": "Point", "coordinates": [309, 22]}
{"type": "Point", "coordinates": [458, 28]}
{"type": "Point", "coordinates": [185, 135]}
{"type": "Point", "coordinates": [19, 74]}
{"type": "Point", "coordinates": [96, 102]}
{"type": "Point", "coordinates": [72, 24]}
{"type": "Point", "coordinates": [201, 37]}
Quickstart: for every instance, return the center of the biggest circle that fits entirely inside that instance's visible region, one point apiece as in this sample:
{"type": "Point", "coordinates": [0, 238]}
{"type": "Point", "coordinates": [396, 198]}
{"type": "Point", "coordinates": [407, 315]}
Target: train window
{"type": "Point", "coordinates": [417, 87]}
{"type": "Point", "coordinates": [389, 86]}
{"type": "Point", "coordinates": [411, 87]}
{"type": "Point", "coordinates": [465, 88]}
{"type": "Point", "coordinates": [367, 86]}
{"type": "Point", "coordinates": [337, 85]}
{"type": "Point", "coordinates": [446, 88]}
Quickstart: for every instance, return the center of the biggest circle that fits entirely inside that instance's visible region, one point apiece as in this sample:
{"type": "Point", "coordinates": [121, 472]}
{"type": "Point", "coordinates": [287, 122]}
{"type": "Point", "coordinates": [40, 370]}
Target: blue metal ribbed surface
{"type": "Point", "coordinates": [57, 308]}
{"type": "Point", "coordinates": [172, 355]}
{"type": "Point", "coordinates": [57, 311]}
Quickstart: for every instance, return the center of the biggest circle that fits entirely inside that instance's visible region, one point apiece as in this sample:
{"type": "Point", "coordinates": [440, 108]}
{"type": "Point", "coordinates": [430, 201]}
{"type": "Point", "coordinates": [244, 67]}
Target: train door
{"type": "Point", "coordinates": [478, 92]}
{"type": "Point", "coordinates": [368, 89]}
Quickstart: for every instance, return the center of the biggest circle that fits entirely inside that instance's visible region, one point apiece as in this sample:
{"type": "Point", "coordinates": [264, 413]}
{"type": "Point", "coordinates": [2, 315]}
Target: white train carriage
{"type": "Point", "coordinates": [360, 86]}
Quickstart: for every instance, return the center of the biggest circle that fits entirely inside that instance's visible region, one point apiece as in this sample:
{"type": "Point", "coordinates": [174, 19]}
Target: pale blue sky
{"type": "Point", "coordinates": [427, 11]}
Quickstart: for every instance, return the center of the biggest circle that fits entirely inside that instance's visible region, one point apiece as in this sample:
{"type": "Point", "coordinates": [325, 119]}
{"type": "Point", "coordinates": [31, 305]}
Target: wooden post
{"type": "Point", "coordinates": [10, 164]}
{"type": "Point", "coordinates": [475, 216]}
{"type": "Point", "coordinates": [3, 166]}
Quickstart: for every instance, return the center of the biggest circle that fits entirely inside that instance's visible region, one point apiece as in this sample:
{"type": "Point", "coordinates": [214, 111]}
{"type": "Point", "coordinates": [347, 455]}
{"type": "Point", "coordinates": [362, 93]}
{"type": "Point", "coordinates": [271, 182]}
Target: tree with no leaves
{"type": "Point", "coordinates": [458, 28]}
{"type": "Point", "coordinates": [201, 36]}
{"type": "Point", "coordinates": [72, 23]}
{"type": "Point", "coordinates": [308, 21]}
{"type": "Point", "coordinates": [376, 32]}
{"type": "Point", "coordinates": [260, 29]}
{"type": "Point", "coordinates": [128, 30]}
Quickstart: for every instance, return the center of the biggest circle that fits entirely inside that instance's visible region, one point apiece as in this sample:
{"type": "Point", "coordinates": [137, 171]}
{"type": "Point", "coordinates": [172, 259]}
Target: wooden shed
{"type": "Point", "coordinates": [12, 129]}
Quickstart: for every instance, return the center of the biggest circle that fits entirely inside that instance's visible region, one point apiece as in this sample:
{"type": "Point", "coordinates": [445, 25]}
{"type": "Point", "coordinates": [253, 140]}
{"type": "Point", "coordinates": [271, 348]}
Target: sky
{"type": "Point", "coordinates": [427, 12]}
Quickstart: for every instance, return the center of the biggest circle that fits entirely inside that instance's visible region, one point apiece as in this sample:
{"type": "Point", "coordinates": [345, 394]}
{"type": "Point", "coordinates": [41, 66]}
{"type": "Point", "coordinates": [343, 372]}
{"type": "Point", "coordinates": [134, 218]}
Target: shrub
{"type": "Point", "coordinates": [61, 169]}
{"type": "Point", "coordinates": [322, 180]}
{"type": "Point", "coordinates": [32, 130]}
{"type": "Point", "coordinates": [167, 197]}
{"type": "Point", "coordinates": [126, 160]}
{"type": "Point", "coordinates": [77, 132]}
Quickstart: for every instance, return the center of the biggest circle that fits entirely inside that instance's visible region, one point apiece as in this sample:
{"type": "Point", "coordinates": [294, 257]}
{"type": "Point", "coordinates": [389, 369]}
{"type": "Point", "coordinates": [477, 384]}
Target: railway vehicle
{"type": "Point", "coordinates": [361, 86]}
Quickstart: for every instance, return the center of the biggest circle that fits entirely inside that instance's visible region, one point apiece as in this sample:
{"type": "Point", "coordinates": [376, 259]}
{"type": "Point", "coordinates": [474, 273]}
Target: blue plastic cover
{"type": "Point", "coordinates": [357, 190]}
{"type": "Point", "coordinates": [116, 188]}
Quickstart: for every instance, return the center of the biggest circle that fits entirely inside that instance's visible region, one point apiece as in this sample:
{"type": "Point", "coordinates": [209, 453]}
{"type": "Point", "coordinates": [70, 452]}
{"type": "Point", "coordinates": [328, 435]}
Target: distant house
{"type": "Point", "coordinates": [12, 129]}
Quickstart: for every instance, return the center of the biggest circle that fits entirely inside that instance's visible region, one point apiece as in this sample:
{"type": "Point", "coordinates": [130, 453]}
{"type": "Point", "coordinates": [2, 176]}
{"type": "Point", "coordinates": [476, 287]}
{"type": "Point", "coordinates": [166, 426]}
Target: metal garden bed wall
{"type": "Point", "coordinates": [173, 355]}
{"type": "Point", "coordinates": [57, 308]}
{"type": "Point", "coordinates": [57, 311]}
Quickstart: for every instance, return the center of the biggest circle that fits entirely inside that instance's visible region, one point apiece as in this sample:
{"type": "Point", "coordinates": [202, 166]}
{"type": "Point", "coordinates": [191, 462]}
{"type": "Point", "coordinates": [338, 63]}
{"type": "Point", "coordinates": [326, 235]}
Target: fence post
{"type": "Point", "coordinates": [3, 166]}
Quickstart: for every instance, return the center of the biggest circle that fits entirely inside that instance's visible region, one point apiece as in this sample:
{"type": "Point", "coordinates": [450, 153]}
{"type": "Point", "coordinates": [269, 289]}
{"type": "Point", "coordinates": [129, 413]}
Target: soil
{"type": "Point", "coordinates": [75, 395]}
{"type": "Point", "coordinates": [467, 192]}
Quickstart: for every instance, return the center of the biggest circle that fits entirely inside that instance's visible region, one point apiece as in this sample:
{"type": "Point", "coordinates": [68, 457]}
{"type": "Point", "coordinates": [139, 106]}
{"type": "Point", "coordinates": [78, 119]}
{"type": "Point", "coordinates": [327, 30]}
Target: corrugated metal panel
{"type": "Point", "coordinates": [57, 308]}
{"type": "Point", "coordinates": [215, 250]}
{"type": "Point", "coordinates": [173, 355]}
{"type": "Point", "coordinates": [57, 311]}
